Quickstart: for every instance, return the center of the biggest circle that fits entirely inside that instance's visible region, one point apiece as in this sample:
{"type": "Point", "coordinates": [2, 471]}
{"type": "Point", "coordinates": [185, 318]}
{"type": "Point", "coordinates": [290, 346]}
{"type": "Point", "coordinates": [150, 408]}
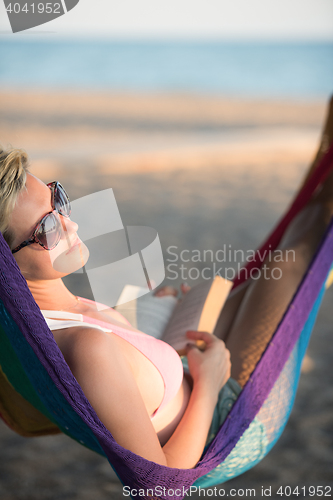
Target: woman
{"type": "Point", "coordinates": [160, 414]}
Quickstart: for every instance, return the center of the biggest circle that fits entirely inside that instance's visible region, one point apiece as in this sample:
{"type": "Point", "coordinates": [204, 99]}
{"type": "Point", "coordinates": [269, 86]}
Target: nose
{"type": "Point", "coordinates": [68, 225]}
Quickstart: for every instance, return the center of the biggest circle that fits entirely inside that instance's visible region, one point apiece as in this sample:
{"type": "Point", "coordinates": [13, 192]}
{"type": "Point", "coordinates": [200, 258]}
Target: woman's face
{"type": "Point", "coordinates": [35, 262]}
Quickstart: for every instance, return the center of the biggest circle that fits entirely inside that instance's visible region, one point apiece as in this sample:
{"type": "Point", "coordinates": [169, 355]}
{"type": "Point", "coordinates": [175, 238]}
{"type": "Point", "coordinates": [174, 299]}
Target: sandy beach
{"type": "Point", "coordinates": [203, 171]}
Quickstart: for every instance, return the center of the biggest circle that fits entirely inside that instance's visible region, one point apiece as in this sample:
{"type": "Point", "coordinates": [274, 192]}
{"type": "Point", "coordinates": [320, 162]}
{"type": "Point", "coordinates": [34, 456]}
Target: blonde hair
{"type": "Point", "coordinates": [13, 174]}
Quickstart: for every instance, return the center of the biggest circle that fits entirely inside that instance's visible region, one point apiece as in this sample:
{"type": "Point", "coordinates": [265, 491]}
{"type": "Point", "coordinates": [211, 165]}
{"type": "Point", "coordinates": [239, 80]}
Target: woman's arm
{"type": "Point", "coordinates": [107, 380]}
{"type": "Point", "coordinates": [210, 370]}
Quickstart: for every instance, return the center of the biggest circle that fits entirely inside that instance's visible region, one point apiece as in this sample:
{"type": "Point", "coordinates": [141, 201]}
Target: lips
{"type": "Point", "coordinates": [74, 244]}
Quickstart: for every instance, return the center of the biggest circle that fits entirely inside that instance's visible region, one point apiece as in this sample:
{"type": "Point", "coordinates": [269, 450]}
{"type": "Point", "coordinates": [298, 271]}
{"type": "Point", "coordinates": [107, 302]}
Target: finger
{"type": "Point", "coordinates": [192, 349]}
{"type": "Point", "coordinates": [185, 288]}
{"type": "Point", "coordinates": [190, 346]}
{"type": "Point", "coordinates": [166, 290]}
{"type": "Point", "coordinates": [208, 338]}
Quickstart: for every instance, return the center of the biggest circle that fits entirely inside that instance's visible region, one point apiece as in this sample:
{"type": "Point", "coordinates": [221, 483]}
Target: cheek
{"type": "Point", "coordinates": [35, 264]}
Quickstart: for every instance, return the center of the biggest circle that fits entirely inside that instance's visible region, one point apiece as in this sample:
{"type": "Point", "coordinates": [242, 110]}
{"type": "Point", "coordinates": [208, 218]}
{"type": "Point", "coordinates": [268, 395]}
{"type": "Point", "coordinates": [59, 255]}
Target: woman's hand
{"type": "Point", "coordinates": [170, 290]}
{"type": "Point", "coordinates": [210, 367]}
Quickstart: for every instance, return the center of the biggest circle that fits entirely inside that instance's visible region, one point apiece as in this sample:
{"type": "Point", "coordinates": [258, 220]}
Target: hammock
{"type": "Point", "coordinates": [39, 395]}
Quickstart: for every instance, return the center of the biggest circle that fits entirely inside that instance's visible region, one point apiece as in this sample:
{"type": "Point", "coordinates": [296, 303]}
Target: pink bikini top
{"type": "Point", "coordinates": [161, 354]}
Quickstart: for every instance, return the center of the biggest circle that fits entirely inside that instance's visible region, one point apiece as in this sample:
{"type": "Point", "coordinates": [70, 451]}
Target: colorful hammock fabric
{"type": "Point", "coordinates": [39, 394]}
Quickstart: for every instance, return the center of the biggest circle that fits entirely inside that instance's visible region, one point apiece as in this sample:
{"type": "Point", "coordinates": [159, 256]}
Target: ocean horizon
{"type": "Point", "coordinates": [292, 70]}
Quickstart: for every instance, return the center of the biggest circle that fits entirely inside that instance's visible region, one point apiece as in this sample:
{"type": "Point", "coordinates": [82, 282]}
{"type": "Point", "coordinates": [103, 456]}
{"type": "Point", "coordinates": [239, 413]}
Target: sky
{"type": "Point", "coordinates": [196, 19]}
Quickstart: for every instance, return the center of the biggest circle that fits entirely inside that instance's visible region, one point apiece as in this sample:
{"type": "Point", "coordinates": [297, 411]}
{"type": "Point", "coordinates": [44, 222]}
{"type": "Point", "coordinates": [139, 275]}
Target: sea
{"type": "Point", "coordinates": [296, 70]}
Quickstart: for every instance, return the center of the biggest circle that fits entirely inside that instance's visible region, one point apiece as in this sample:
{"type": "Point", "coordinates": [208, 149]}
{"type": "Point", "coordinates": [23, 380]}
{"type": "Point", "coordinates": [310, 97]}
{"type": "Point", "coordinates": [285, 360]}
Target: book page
{"type": "Point", "coordinates": [147, 313]}
{"type": "Point", "coordinates": [186, 315]}
{"type": "Point", "coordinates": [166, 319]}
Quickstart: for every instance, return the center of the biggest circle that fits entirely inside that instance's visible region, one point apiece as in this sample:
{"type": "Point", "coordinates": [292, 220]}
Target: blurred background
{"type": "Point", "coordinates": [203, 117]}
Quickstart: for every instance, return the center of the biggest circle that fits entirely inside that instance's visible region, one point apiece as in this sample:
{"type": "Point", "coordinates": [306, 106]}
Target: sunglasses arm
{"type": "Point", "coordinates": [24, 244]}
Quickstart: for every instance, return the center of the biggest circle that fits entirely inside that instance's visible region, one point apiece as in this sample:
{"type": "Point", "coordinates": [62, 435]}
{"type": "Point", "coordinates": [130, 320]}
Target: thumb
{"type": "Point", "coordinates": [192, 350]}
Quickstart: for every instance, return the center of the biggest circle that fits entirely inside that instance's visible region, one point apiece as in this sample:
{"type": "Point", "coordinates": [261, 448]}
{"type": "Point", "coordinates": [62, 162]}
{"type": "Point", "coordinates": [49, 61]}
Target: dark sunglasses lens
{"type": "Point", "coordinates": [61, 201]}
{"type": "Point", "coordinates": [49, 231]}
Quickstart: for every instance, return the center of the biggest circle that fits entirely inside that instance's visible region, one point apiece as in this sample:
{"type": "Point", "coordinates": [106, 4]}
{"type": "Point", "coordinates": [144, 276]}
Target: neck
{"type": "Point", "coordinates": [52, 295]}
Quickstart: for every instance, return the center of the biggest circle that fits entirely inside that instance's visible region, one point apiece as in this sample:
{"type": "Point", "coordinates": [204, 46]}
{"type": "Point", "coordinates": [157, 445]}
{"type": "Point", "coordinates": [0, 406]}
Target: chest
{"type": "Point", "coordinates": [148, 378]}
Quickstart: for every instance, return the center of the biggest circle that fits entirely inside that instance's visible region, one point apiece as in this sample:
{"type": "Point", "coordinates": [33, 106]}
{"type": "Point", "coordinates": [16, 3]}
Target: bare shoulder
{"type": "Point", "coordinates": [83, 343]}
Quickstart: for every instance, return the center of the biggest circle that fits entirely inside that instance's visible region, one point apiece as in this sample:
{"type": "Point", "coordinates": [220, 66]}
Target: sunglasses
{"type": "Point", "coordinates": [48, 231]}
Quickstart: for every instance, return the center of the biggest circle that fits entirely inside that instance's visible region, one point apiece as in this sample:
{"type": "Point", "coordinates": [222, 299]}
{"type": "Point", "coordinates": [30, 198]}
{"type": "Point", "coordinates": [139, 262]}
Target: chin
{"type": "Point", "coordinates": [68, 261]}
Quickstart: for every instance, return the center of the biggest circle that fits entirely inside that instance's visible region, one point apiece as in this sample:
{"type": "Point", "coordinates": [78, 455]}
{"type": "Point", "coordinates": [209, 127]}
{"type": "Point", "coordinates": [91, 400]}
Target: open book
{"type": "Point", "coordinates": [167, 319]}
